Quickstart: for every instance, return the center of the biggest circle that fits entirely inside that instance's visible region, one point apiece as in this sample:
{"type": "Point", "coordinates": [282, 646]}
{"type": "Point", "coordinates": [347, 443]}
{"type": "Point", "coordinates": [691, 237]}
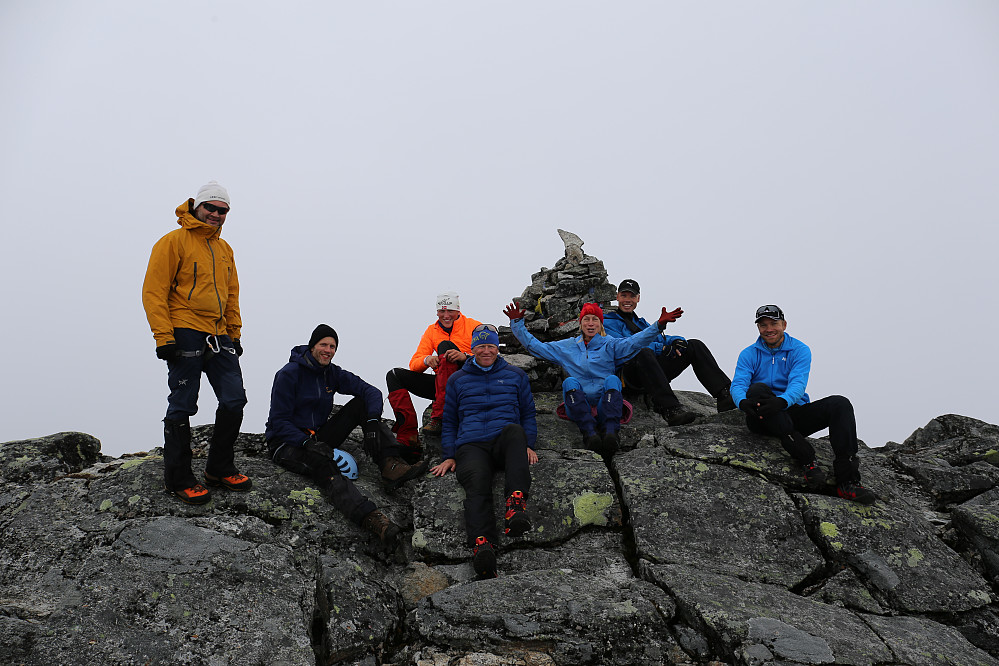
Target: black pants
{"type": "Point", "coordinates": [834, 412]}
{"type": "Point", "coordinates": [475, 463]}
{"type": "Point", "coordinates": [652, 374]}
{"type": "Point", "coordinates": [338, 490]}
{"type": "Point", "coordinates": [422, 384]}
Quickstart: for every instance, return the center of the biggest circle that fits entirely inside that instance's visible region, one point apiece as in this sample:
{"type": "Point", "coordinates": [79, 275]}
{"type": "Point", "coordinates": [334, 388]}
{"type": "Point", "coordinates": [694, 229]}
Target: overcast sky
{"type": "Point", "coordinates": [839, 159]}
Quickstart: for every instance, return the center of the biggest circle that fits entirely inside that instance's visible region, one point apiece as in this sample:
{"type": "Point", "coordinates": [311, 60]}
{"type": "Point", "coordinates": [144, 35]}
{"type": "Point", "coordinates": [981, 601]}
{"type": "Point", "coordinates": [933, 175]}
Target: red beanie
{"type": "Point", "coordinates": [593, 309]}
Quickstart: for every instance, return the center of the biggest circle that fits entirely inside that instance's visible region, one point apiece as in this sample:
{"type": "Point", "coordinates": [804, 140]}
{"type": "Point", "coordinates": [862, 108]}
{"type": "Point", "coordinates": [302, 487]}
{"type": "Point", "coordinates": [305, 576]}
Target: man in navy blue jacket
{"type": "Point", "coordinates": [769, 385]}
{"type": "Point", "coordinates": [301, 434]}
{"type": "Point", "coordinates": [654, 367]}
{"type": "Point", "coordinates": [489, 424]}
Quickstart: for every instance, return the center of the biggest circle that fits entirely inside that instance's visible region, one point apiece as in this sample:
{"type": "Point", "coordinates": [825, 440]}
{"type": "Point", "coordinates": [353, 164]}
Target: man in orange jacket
{"type": "Point", "coordinates": [191, 298]}
{"type": "Point", "coordinates": [444, 347]}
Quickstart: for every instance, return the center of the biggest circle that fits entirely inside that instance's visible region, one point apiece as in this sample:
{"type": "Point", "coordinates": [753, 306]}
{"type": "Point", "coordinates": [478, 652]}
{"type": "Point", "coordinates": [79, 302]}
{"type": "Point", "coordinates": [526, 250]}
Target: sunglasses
{"type": "Point", "coordinates": [771, 311]}
{"type": "Point", "coordinates": [484, 327]}
{"type": "Point", "coordinates": [212, 208]}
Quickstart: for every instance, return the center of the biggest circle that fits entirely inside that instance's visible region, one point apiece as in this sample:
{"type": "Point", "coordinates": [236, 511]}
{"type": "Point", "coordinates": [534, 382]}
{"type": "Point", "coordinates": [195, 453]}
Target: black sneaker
{"type": "Point", "coordinates": [609, 444]}
{"type": "Point", "coordinates": [517, 521]}
{"type": "Point", "coordinates": [676, 416]}
{"type": "Point", "coordinates": [814, 475]}
{"type": "Point", "coordinates": [484, 558]}
{"type": "Point", "coordinates": [855, 492]}
{"type": "Point", "coordinates": [592, 442]}
{"type": "Point", "coordinates": [724, 401]}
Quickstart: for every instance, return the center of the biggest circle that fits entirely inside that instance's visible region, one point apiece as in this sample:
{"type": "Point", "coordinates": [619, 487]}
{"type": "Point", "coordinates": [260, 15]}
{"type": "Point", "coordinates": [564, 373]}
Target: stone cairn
{"type": "Point", "coordinates": [553, 301]}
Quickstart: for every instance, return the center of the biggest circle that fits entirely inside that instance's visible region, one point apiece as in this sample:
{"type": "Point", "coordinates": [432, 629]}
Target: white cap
{"type": "Point", "coordinates": [211, 191]}
{"type": "Point", "coordinates": [448, 301]}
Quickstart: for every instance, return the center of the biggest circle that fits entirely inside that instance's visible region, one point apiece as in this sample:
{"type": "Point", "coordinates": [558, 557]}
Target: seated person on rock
{"type": "Point", "coordinates": [654, 367]}
{"type": "Point", "coordinates": [591, 360]}
{"type": "Point", "coordinates": [769, 385]}
{"type": "Point", "coordinates": [444, 348]}
{"type": "Point", "coordinates": [301, 434]}
{"type": "Point", "coordinates": [489, 424]}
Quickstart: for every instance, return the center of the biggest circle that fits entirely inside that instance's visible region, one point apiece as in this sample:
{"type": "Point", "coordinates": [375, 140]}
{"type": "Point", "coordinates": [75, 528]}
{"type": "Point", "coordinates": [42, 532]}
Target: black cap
{"type": "Point", "coordinates": [768, 312]}
{"type": "Point", "coordinates": [323, 331]}
{"type": "Point", "coordinates": [629, 285]}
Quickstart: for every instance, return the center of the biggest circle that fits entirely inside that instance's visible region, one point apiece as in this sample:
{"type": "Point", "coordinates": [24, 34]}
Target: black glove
{"type": "Point", "coordinates": [770, 406]}
{"type": "Point", "coordinates": [238, 347]}
{"type": "Point", "coordinates": [675, 349]}
{"type": "Point", "coordinates": [370, 428]}
{"type": "Point", "coordinates": [314, 445]}
{"type": "Point", "coordinates": [748, 406]}
{"type": "Point", "coordinates": [167, 352]}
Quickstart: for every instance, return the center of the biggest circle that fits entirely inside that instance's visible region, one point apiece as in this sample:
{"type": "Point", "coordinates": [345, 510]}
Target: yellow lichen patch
{"type": "Point", "coordinates": [701, 467]}
{"type": "Point", "coordinates": [419, 539]}
{"type": "Point", "coordinates": [589, 508]}
{"type": "Point", "coordinates": [307, 496]}
{"type": "Point", "coordinates": [915, 557]}
{"type": "Point", "coordinates": [836, 544]}
{"type": "Point", "coordinates": [714, 448]}
{"type": "Point", "coordinates": [105, 505]}
{"type": "Point", "coordinates": [828, 530]}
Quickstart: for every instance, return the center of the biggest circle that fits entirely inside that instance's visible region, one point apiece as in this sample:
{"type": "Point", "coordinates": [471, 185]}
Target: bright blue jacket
{"type": "Point", "coordinates": [478, 404]}
{"type": "Point", "coordinates": [615, 327]}
{"type": "Point", "coordinates": [590, 364]}
{"type": "Point", "coordinates": [785, 370]}
{"type": "Point", "coordinates": [302, 396]}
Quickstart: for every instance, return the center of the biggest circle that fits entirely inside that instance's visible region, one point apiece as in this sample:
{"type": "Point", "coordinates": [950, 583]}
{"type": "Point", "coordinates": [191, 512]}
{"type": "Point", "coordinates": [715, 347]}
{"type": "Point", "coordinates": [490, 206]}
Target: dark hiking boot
{"type": "Point", "coordinates": [484, 558]}
{"type": "Point", "coordinates": [196, 495]}
{"type": "Point", "coordinates": [724, 401]}
{"type": "Point", "coordinates": [396, 472]}
{"type": "Point", "coordinates": [676, 416]}
{"type": "Point", "coordinates": [855, 492]}
{"type": "Point", "coordinates": [433, 427]}
{"type": "Point", "coordinates": [517, 522]}
{"type": "Point", "coordinates": [814, 475]}
{"type": "Point", "coordinates": [609, 444]}
{"type": "Point", "coordinates": [378, 524]}
{"type": "Point", "coordinates": [238, 482]}
{"type": "Point", "coordinates": [592, 442]}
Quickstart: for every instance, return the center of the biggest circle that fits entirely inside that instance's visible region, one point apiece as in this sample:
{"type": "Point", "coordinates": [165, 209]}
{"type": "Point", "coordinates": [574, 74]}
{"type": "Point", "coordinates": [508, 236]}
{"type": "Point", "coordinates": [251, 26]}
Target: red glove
{"type": "Point", "coordinates": [667, 317]}
{"type": "Point", "coordinates": [514, 311]}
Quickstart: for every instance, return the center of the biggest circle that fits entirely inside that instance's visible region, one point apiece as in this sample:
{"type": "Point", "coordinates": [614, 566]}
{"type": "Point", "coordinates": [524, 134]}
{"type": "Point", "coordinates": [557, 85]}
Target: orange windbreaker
{"type": "Point", "coordinates": [191, 281]}
{"type": "Point", "coordinates": [461, 336]}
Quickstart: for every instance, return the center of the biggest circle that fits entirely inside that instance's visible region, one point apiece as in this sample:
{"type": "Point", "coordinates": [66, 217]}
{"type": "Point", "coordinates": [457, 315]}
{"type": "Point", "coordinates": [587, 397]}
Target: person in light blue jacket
{"type": "Point", "coordinates": [769, 385]}
{"type": "Point", "coordinates": [591, 361]}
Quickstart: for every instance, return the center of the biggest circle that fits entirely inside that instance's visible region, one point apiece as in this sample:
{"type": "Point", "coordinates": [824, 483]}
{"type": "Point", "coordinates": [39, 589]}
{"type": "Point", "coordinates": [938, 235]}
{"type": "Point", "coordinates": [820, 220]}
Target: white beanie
{"type": "Point", "coordinates": [211, 191]}
{"type": "Point", "coordinates": [448, 301]}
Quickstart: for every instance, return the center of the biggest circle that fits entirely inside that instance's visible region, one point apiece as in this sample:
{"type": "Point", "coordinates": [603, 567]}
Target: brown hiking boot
{"type": "Point", "coordinates": [378, 524]}
{"type": "Point", "coordinates": [396, 472]}
{"type": "Point", "coordinates": [434, 427]}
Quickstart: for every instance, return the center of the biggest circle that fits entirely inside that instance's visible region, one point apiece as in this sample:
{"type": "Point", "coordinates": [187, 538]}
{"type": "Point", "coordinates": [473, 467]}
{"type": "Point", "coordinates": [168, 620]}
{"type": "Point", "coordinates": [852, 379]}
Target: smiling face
{"type": "Point", "coordinates": [448, 317]}
{"type": "Point", "coordinates": [212, 212]}
{"type": "Point", "coordinates": [485, 355]}
{"type": "Point", "coordinates": [590, 325]}
{"type": "Point", "coordinates": [772, 331]}
{"type": "Point", "coordinates": [627, 301]}
{"type": "Point", "coordinates": [324, 350]}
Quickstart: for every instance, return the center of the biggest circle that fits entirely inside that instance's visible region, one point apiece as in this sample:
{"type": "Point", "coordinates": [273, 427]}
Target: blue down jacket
{"type": "Point", "coordinates": [785, 370]}
{"type": "Point", "coordinates": [616, 328]}
{"type": "Point", "coordinates": [302, 397]}
{"type": "Point", "coordinates": [478, 404]}
{"type": "Point", "coordinates": [590, 364]}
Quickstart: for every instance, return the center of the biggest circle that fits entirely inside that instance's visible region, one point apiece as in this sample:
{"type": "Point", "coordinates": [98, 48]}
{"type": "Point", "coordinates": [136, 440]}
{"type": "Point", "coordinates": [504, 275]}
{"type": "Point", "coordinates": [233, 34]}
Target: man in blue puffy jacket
{"type": "Point", "coordinates": [301, 433]}
{"type": "Point", "coordinates": [653, 368]}
{"type": "Point", "coordinates": [489, 424]}
{"type": "Point", "coordinates": [769, 385]}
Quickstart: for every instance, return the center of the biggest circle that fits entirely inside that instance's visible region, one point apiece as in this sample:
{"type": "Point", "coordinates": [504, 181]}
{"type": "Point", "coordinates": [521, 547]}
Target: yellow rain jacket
{"type": "Point", "coordinates": [191, 281]}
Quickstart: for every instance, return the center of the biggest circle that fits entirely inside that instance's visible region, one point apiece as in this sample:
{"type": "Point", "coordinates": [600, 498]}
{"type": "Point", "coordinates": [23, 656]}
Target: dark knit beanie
{"type": "Point", "coordinates": [323, 331]}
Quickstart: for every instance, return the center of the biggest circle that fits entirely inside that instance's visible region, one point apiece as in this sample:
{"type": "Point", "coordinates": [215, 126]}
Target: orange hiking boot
{"type": "Point", "coordinates": [237, 481]}
{"type": "Point", "coordinates": [517, 522]}
{"type": "Point", "coordinates": [196, 494]}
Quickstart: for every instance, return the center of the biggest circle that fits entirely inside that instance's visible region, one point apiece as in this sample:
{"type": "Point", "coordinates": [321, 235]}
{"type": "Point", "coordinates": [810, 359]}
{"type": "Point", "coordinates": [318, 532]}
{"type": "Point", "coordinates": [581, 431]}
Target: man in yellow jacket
{"type": "Point", "coordinates": [191, 298]}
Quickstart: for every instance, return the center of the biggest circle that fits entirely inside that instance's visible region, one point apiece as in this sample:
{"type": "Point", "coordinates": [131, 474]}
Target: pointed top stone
{"type": "Point", "coordinates": [573, 247]}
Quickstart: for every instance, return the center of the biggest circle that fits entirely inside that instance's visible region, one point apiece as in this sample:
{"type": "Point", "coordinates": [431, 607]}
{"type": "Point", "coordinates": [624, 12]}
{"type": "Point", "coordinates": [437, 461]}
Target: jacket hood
{"type": "Point", "coordinates": [300, 355]}
{"type": "Point", "coordinates": [470, 366]}
{"type": "Point", "coordinates": [187, 220]}
{"type": "Point", "coordinates": [786, 344]}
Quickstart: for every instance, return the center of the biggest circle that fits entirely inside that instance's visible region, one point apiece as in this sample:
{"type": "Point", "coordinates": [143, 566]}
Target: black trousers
{"type": "Point", "coordinates": [652, 374]}
{"type": "Point", "coordinates": [834, 412]}
{"type": "Point", "coordinates": [475, 463]}
{"type": "Point", "coordinates": [338, 490]}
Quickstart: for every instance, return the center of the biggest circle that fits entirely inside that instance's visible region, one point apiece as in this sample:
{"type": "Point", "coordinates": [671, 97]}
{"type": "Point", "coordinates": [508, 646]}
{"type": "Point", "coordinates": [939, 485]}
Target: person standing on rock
{"type": "Point", "coordinates": [653, 368]}
{"type": "Point", "coordinates": [302, 435]}
{"type": "Point", "coordinates": [489, 424]}
{"type": "Point", "coordinates": [769, 385]}
{"type": "Point", "coordinates": [444, 348]}
{"type": "Point", "coordinates": [591, 361]}
{"type": "Point", "coordinates": [191, 298]}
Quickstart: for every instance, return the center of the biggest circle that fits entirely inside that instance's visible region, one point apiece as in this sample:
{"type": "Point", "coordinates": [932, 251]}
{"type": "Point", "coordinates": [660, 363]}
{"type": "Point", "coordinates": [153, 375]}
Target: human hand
{"type": "Point", "coordinates": [432, 361]}
{"type": "Point", "coordinates": [770, 406]}
{"type": "Point", "coordinates": [314, 445]}
{"type": "Point", "coordinates": [749, 407]}
{"type": "Point", "coordinates": [443, 468]}
{"type": "Point", "coordinates": [532, 456]}
{"type": "Point", "coordinates": [514, 311]}
{"type": "Point", "coordinates": [675, 349]}
{"type": "Point", "coordinates": [167, 352]}
{"type": "Point", "coordinates": [454, 356]}
{"type": "Point", "coordinates": [668, 317]}
{"type": "Point", "coordinates": [238, 347]}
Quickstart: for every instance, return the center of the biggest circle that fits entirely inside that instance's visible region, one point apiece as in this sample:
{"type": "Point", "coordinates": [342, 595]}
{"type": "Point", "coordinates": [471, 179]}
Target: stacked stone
{"type": "Point", "coordinates": [553, 301]}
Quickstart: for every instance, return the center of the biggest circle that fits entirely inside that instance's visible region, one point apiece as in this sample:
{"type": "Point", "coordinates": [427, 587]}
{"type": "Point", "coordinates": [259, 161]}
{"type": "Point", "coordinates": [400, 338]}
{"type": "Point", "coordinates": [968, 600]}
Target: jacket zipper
{"type": "Point", "coordinates": [195, 284]}
{"type": "Point", "coordinates": [216, 286]}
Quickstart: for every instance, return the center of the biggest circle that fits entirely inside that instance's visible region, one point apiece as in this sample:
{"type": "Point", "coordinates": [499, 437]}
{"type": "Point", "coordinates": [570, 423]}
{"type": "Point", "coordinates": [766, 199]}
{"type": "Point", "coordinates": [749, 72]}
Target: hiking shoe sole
{"type": "Point", "coordinates": [414, 471]}
{"type": "Point", "coordinates": [518, 525]}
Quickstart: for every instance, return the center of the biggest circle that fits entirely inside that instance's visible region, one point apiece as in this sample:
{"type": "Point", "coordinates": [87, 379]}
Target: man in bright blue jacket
{"type": "Point", "coordinates": [489, 424]}
{"type": "Point", "coordinates": [302, 435]}
{"type": "Point", "coordinates": [653, 368]}
{"type": "Point", "coordinates": [769, 385]}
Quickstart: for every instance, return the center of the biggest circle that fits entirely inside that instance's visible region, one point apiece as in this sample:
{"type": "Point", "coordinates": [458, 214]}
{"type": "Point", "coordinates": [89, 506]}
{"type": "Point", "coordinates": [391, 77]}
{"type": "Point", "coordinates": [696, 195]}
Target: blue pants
{"type": "Point", "coordinates": [611, 383]}
{"type": "Point", "coordinates": [184, 378]}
